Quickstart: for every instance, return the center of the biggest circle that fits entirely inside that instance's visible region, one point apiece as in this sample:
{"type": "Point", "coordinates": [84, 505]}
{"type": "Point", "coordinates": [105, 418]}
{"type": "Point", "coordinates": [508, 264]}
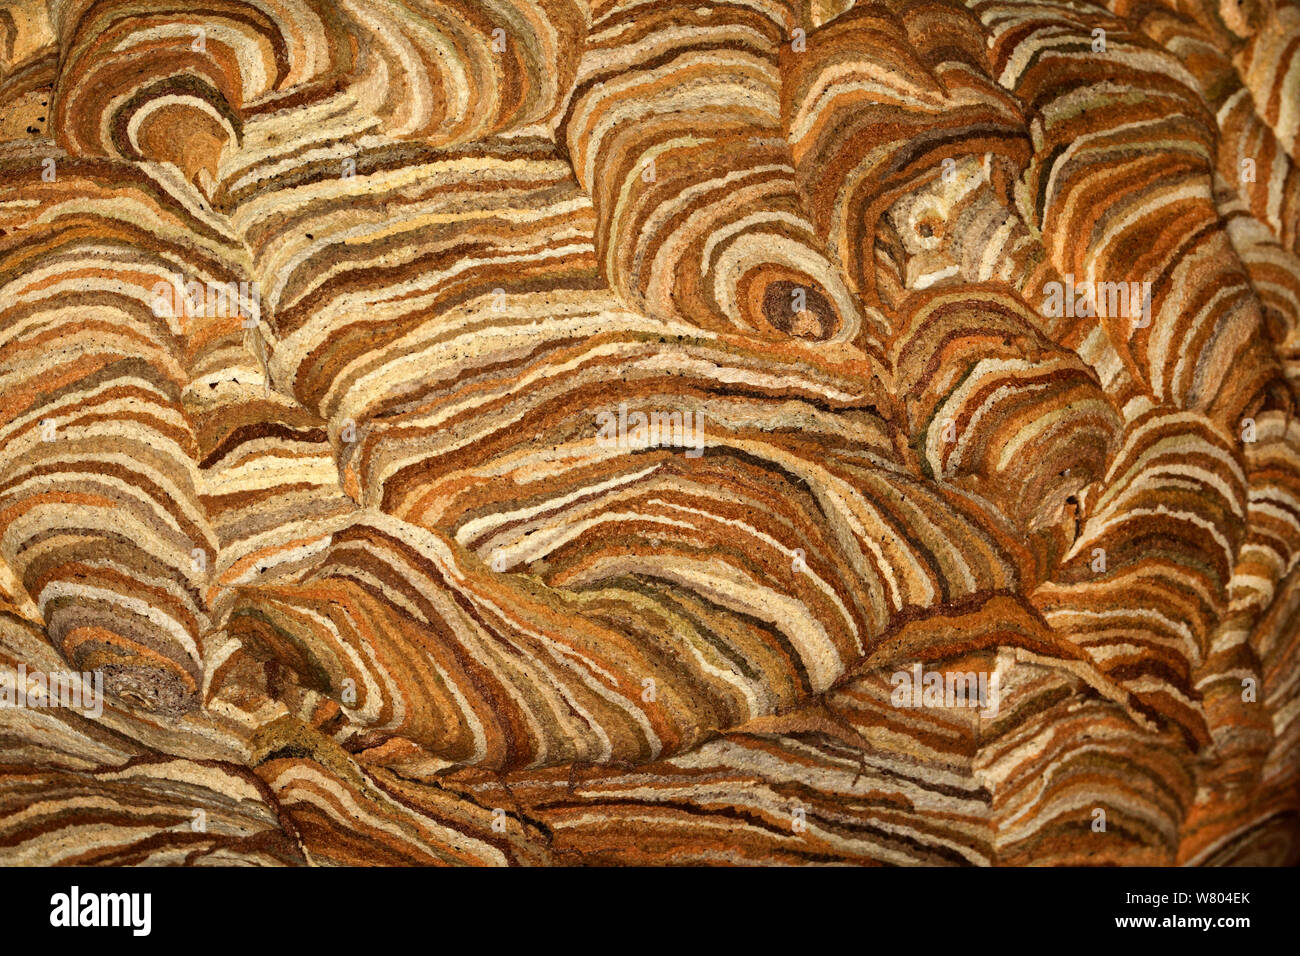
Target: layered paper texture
{"type": "Point", "coordinates": [561, 432]}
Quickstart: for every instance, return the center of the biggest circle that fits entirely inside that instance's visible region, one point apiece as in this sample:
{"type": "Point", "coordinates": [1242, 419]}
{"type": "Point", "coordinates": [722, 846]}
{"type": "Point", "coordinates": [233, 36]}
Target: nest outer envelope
{"type": "Point", "coordinates": [546, 432]}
